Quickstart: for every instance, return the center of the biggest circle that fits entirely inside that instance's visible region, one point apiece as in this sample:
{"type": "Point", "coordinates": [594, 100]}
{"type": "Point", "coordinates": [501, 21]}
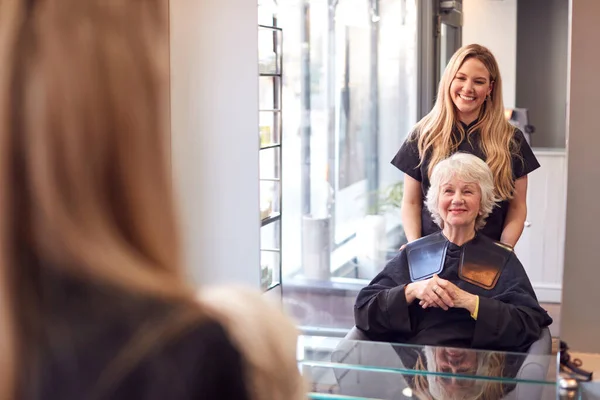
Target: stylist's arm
{"type": "Point", "coordinates": [412, 202]}
{"type": "Point", "coordinates": [517, 214]}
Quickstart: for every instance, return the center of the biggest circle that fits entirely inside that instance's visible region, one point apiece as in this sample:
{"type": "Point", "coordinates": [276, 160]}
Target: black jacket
{"type": "Point", "coordinates": [509, 317]}
{"type": "Point", "coordinates": [86, 330]}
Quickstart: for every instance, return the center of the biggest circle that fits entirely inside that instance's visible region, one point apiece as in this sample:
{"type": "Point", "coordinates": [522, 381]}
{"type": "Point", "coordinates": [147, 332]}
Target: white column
{"type": "Point", "coordinates": [214, 128]}
{"type": "Point", "coordinates": [580, 325]}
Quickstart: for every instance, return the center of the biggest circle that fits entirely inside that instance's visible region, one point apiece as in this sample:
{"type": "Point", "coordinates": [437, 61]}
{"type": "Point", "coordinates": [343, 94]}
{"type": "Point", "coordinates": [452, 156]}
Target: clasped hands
{"type": "Point", "coordinates": [438, 292]}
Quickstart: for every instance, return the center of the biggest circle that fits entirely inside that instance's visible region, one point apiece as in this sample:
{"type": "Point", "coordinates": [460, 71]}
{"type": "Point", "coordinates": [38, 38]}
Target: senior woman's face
{"type": "Point", "coordinates": [459, 203]}
{"type": "Point", "coordinates": [457, 362]}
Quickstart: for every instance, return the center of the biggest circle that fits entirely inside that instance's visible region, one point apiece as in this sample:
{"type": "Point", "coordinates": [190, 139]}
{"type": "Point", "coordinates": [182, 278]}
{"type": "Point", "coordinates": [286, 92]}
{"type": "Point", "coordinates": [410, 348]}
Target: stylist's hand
{"type": "Point", "coordinates": [430, 292]}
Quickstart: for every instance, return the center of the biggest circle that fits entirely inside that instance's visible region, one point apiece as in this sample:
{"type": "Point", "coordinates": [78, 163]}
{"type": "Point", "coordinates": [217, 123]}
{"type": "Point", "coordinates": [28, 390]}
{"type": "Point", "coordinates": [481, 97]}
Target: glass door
{"type": "Point", "coordinates": [449, 32]}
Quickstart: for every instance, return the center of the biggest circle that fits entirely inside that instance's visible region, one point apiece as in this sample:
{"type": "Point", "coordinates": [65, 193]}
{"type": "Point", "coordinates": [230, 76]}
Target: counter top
{"type": "Point", "coordinates": [549, 151]}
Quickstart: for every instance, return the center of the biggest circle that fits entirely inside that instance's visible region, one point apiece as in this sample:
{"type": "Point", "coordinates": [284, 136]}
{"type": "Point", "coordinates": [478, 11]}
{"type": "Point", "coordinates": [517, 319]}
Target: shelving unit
{"type": "Point", "coordinates": [270, 38]}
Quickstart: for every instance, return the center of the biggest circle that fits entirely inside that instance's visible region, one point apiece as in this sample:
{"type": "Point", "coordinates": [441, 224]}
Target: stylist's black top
{"type": "Point", "coordinates": [407, 160]}
{"type": "Point", "coordinates": [80, 345]}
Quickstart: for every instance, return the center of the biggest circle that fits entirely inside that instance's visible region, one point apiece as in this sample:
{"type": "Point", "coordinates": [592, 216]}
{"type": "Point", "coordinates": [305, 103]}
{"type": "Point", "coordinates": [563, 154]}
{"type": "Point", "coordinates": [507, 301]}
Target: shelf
{"type": "Point", "coordinates": [271, 250]}
{"type": "Point", "coordinates": [270, 83]}
{"type": "Point", "coordinates": [267, 75]}
{"type": "Point", "coordinates": [271, 218]}
{"type": "Point", "coordinates": [272, 286]}
{"type": "Point", "coordinates": [273, 28]}
{"type": "Point", "coordinates": [271, 146]}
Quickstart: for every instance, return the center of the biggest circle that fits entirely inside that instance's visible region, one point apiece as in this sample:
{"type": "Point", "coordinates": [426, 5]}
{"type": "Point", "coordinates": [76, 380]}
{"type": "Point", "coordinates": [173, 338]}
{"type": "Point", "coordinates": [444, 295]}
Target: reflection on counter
{"type": "Point", "coordinates": [379, 370]}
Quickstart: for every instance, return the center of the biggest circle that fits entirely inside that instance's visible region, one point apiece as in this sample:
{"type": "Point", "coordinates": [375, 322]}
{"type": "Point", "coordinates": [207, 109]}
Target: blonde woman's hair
{"type": "Point", "coordinates": [434, 132]}
{"type": "Point", "coordinates": [468, 168]}
{"type": "Point", "coordinates": [266, 338]}
{"type": "Point", "coordinates": [83, 164]}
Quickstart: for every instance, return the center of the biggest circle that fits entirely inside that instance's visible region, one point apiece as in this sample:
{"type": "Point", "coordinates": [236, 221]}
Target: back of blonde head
{"type": "Point", "coordinates": [434, 131]}
{"type": "Point", "coordinates": [266, 338]}
{"type": "Point", "coordinates": [85, 178]}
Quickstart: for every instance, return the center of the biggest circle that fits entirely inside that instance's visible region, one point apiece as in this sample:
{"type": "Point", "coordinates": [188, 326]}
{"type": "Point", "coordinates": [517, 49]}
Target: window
{"type": "Point", "coordinates": [349, 99]}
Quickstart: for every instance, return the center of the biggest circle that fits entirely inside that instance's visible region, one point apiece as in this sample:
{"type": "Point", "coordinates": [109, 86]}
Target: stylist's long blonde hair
{"type": "Point", "coordinates": [434, 131]}
{"type": "Point", "coordinates": [84, 178]}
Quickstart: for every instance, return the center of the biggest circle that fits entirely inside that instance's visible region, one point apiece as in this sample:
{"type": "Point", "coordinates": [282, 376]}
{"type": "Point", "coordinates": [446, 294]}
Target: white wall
{"type": "Point", "coordinates": [214, 128]}
{"type": "Point", "coordinates": [541, 247]}
{"type": "Point", "coordinates": [494, 24]}
{"type": "Point", "coordinates": [580, 319]}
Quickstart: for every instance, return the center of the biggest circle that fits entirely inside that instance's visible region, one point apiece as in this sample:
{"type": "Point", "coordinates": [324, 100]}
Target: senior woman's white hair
{"type": "Point", "coordinates": [468, 168]}
{"type": "Point", "coordinates": [487, 364]}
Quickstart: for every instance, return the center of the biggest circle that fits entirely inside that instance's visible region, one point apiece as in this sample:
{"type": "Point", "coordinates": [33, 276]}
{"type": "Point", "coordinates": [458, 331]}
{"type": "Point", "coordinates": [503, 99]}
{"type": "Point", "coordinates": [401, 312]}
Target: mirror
{"type": "Point", "coordinates": [352, 90]}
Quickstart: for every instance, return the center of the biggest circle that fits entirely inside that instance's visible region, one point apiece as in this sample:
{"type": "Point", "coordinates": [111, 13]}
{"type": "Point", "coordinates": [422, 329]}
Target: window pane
{"type": "Point", "coordinates": [270, 192]}
{"type": "Point", "coordinates": [270, 128]}
{"type": "Point", "coordinates": [269, 46]}
{"type": "Point", "coordinates": [270, 251]}
{"type": "Point", "coordinates": [269, 160]}
{"type": "Point", "coordinates": [353, 54]}
{"type": "Point", "coordinates": [267, 94]}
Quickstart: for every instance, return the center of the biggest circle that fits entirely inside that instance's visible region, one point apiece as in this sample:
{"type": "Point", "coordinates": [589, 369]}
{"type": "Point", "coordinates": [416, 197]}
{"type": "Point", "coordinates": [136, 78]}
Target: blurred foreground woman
{"type": "Point", "coordinates": [93, 303]}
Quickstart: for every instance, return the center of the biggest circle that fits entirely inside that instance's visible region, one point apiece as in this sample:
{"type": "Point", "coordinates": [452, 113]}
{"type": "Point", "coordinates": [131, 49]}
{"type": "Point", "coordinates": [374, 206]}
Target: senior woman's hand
{"type": "Point", "coordinates": [429, 291]}
{"type": "Point", "coordinates": [460, 298]}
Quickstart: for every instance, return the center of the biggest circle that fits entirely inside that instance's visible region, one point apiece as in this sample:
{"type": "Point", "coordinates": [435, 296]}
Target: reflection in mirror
{"type": "Point", "coordinates": [349, 95]}
{"type": "Point", "coordinates": [392, 371]}
{"type": "Point", "coordinates": [351, 69]}
{"type": "Point", "coordinates": [450, 364]}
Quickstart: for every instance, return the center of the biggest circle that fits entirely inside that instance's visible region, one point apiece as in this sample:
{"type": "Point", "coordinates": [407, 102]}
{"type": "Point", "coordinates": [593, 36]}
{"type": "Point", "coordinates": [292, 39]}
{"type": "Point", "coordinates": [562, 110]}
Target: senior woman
{"type": "Point", "coordinates": [454, 287]}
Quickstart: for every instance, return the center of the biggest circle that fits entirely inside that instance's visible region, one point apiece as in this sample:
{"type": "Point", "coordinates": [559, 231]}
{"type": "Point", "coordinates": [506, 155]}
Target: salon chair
{"type": "Point", "coordinates": [377, 383]}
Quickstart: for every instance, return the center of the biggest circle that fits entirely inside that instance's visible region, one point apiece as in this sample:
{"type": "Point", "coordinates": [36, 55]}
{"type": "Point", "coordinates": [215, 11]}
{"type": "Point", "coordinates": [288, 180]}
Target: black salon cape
{"type": "Point", "coordinates": [407, 160]}
{"type": "Point", "coordinates": [509, 319]}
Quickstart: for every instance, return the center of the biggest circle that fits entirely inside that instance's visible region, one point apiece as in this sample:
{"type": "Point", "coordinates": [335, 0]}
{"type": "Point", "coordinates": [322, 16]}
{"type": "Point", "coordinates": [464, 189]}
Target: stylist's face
{"type": "Point", "coordinates": [469, 88]}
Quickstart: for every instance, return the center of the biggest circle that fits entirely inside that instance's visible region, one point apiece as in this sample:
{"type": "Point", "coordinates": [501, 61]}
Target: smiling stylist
{"type": "Point", "coordinates": [468, 116]}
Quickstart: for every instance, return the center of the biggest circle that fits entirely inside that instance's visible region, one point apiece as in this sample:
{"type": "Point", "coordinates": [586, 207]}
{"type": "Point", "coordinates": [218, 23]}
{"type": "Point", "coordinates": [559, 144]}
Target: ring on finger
{"type": "Point", "coordinates": [435, 288]}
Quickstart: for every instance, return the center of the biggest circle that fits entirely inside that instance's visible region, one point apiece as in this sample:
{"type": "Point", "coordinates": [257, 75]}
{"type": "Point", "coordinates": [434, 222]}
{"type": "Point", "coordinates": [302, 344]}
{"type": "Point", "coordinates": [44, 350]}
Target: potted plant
{"type": "Point", "coordinates": [375, 244]}
{"type": "Point", "coordinates": [391, 202]}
